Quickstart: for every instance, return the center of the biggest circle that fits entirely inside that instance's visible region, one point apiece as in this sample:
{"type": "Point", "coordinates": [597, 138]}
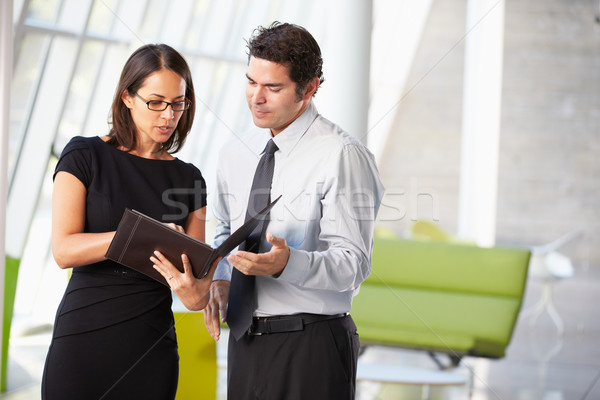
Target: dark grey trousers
{"type": "Point", "coordinates": [318, 362]}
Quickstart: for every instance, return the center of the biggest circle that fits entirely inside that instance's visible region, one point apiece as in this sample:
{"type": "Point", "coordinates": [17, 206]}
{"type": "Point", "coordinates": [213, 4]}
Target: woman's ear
{"type": "Point", "coordinates": [127, 99]}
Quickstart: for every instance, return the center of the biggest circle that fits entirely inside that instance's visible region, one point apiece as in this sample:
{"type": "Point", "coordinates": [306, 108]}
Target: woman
{"type": "Point", "coordinates": [113, 335]}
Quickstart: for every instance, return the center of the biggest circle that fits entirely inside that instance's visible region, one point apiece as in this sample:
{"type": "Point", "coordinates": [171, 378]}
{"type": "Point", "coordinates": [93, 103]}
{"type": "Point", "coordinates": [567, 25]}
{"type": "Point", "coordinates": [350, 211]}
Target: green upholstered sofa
{"type": "Point", "coordinates": [442, 297]}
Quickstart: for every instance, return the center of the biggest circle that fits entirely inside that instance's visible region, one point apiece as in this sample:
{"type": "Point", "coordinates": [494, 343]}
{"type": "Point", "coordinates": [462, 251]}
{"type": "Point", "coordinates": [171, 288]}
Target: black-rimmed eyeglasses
{"type": "Point", "coordinates": [159, 105]}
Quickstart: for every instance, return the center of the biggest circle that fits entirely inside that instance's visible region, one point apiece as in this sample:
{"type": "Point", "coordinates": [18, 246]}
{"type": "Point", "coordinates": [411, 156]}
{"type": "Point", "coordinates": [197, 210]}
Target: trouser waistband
{"type": "Point", "coordinates": [287, 323]}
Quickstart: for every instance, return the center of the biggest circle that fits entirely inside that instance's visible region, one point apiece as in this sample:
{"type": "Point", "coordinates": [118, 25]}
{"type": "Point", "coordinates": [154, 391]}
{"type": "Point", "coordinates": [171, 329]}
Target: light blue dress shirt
{"type": "Point", "coordinates": [331, 192]}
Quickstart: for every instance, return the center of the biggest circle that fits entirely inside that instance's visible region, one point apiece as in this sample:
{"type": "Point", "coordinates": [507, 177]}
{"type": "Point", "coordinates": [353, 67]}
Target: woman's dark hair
{"type": "Point", "coordinates": [142, 63]}
{"type": "Point", "coordinates": [289, 45]}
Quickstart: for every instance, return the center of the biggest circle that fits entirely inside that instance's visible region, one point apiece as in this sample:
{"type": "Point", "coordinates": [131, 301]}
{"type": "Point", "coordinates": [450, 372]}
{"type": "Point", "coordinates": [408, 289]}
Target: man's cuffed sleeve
{"type": "Point", "coordinates": [223, 271]}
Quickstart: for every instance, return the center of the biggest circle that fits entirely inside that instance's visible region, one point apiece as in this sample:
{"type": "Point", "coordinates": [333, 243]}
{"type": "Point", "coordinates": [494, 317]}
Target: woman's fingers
{"type": "Point", "coordinates": [175, 226]}
{"type": "Point", "coordinates": [164, 266]}
{"type": "Point", "coordinates": [187, 267]}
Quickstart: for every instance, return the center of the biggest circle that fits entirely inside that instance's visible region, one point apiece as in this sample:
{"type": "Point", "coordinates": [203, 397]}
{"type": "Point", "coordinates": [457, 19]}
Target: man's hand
{"type": "Point", "coordinates": [271, 263]}
{"type": "Point", "coordinates": [217, 306]}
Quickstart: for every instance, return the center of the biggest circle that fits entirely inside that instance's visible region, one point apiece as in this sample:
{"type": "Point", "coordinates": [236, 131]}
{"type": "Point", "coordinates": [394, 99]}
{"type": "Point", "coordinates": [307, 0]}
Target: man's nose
{"type": "Point", "coordinates": [258, 96]}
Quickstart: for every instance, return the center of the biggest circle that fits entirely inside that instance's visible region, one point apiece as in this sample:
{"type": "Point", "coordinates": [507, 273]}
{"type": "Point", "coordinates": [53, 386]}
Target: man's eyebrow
{"type": "Point", "coordinates": [266, 84]}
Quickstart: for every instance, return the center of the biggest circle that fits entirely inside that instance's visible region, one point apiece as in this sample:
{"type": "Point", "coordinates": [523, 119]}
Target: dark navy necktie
{"type": "Point", "coordinates": [241, 290]}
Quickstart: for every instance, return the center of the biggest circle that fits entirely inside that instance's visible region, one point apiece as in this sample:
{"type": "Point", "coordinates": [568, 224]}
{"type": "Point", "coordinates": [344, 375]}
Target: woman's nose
{"type": "Point", "coordinates": [168, 112]}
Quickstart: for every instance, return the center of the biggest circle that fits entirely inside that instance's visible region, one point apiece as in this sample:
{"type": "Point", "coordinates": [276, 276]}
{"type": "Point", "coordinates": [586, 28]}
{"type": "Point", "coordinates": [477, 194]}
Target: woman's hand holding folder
{"type": "Point", "coordinates": [192, 292]}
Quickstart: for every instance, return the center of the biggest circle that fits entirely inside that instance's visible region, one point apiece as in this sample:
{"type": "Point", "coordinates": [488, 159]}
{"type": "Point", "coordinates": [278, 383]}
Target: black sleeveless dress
{"type": "Point", "coordinates": [113, 334]}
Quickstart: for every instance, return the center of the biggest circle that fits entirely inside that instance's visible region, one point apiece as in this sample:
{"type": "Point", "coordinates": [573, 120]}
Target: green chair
{"type": "Point", "coordinates": [428, 230]}
{"type": "Point", "coordinates": [442, 297]}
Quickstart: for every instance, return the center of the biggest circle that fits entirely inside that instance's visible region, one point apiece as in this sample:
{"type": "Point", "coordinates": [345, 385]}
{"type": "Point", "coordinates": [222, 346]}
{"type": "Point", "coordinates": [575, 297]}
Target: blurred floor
{"type": "Point", "coordinates": [539, 365]}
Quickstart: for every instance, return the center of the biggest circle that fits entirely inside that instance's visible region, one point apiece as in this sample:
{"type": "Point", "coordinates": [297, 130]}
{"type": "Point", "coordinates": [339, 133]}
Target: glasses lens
{"type": "Point", "coordinates": [180, 105]}
{"type": "Point", "coordinates": [157, 105]}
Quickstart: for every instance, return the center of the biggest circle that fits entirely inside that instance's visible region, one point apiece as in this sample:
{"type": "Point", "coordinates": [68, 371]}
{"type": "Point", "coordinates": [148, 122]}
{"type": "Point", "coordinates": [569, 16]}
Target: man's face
{"type": "Point", "coordinates": [272, 96]}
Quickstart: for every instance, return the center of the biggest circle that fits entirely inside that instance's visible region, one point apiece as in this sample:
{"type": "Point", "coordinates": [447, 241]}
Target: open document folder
{"type": "Point", "coordinates": [138, 236]}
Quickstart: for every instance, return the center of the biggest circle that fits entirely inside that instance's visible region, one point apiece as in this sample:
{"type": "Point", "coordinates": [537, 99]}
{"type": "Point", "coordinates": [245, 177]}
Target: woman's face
{"type": "Point", "coordinates": [156, 127]}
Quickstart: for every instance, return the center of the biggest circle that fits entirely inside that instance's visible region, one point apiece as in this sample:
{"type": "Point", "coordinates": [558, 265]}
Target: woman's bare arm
{"type": "Point", "coordinates": [72, 247]}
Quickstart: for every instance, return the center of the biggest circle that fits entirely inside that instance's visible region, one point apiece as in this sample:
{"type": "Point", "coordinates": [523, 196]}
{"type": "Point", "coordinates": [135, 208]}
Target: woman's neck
{"type": "Point", "coordinates": [150, 153]}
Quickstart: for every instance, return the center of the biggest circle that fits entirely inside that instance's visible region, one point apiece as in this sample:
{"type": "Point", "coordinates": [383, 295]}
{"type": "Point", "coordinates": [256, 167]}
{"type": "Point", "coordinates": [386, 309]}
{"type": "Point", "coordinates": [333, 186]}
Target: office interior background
{"type": "Point", "coordinates": [483, 116]}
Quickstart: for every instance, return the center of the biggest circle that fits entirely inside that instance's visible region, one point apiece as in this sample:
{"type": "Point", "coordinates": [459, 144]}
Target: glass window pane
{"type": "Point", "coordinates": [149, 29]}
{"type": "Point", "coordinates": [221, 111]}
{"type": "Point", "coordinates": [102, 17]}
{"type": "Point", "coordinates": [80, 92]}
{"type": "Point", "coordinates": [17, 7]}
{"type": "Point", "coordinates": [129, 17]}
{"type": "Point", "coordinates": [113, 60]}
{"type": "Point", "coordinates": [245, 16]}
{"type": "Point", "coordinates": [196, 30]}
{"type": "Point", "coordinates": [41, 283]}
{"type": "Point", "coordinates": [73, 15]}
{"type": "Point", "coordinates": [32, 51]}
{"type": "Point", "coordinates": [215, 36]}
{"type": "Point", "coordinates": [175, 23]}
{"type": "Point", "coordinates": [43, 10]}
{"type": "Point", "coordinates": [46, 113]}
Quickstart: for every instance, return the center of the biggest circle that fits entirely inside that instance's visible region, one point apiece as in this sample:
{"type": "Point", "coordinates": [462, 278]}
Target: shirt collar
{"type": "Point", "coordinates": [287, 139]}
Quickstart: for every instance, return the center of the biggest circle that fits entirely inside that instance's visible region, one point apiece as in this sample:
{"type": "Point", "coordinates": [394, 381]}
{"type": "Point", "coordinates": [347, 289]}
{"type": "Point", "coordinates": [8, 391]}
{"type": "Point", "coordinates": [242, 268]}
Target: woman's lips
{"type": "Point", "coordinates": [164, 128]}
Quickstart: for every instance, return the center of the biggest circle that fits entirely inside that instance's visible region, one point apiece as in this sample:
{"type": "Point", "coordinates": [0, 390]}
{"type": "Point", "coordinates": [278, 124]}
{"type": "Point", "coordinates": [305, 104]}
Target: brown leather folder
{"type": "Point", "coordinates": [138, 235]}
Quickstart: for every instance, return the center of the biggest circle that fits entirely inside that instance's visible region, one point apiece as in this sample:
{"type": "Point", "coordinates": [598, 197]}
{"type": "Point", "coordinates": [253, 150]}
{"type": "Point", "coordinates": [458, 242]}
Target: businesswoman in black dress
{"type": "Point", "coordinates": [113, 335]}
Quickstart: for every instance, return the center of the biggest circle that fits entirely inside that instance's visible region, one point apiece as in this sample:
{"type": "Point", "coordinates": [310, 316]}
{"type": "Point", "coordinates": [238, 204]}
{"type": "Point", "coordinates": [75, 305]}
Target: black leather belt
{"type": "Point", "coordinates": [286, 323]}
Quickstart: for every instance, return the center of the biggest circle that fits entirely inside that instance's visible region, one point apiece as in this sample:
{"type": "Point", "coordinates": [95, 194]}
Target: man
{"type": "Point", "coordinates": [302, 342]}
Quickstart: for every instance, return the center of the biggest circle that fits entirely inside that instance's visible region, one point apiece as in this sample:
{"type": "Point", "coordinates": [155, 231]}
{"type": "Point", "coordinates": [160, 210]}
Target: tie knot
{"type": "Point", "coordinates": [271, 147]}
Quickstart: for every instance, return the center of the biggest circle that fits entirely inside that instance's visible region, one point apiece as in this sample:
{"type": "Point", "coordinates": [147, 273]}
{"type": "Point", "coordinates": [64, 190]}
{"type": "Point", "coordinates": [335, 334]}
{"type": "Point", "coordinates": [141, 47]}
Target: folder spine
{"type": "Point", "coordinates": [135, 225]}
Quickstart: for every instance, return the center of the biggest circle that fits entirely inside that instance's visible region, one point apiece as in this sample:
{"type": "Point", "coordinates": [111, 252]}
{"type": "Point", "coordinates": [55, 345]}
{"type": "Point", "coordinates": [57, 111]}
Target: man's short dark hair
{"type": "Point", "coordinates": [292, 46]}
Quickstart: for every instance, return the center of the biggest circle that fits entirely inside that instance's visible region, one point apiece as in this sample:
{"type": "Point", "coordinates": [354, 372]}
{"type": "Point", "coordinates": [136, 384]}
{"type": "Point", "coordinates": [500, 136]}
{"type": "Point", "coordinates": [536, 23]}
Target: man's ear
{"type": "Point", "coordinates": [127, 99]}
{"type": "Point", "coordinates": [311, 88]}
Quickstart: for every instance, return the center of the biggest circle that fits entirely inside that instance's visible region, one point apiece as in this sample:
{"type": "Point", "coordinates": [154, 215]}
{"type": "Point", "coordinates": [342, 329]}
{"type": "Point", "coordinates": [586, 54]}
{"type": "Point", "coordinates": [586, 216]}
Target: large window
{"type": "Point", "coordinates": [68, 57]}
